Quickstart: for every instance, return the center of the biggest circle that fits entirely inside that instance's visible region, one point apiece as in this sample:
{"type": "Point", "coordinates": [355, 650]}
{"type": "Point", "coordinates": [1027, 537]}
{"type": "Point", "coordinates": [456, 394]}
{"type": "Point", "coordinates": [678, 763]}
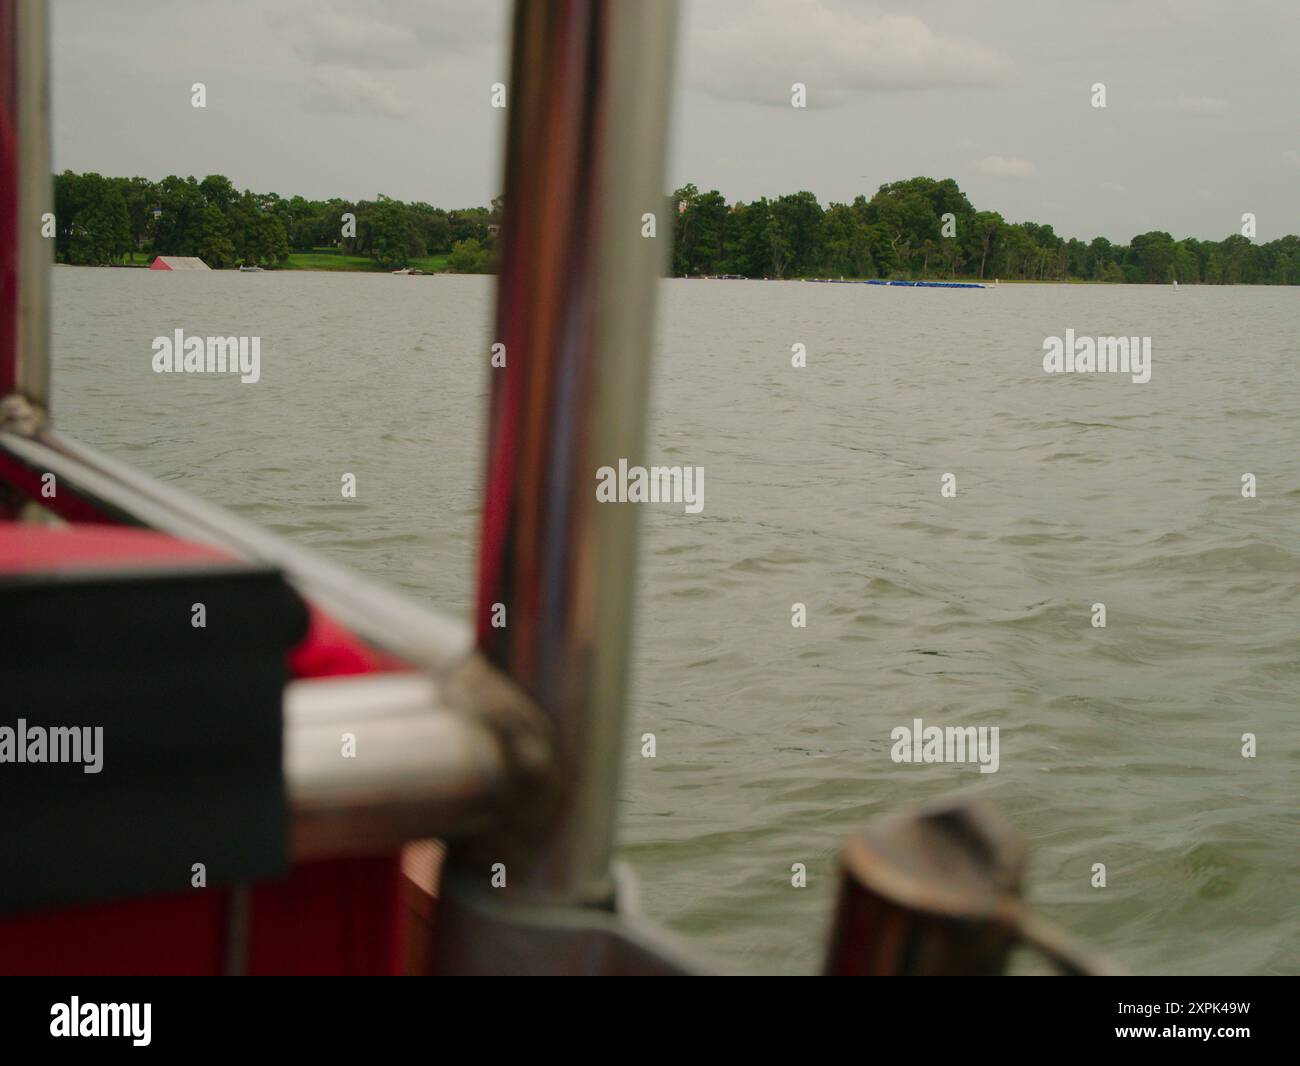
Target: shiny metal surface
{"type": "Point", "coordinates": [589, 96]}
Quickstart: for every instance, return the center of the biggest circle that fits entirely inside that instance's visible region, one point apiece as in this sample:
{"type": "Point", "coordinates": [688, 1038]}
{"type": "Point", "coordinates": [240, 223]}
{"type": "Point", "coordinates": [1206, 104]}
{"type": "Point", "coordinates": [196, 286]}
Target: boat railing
{"type": "Point", "coordinates": [433, 768]}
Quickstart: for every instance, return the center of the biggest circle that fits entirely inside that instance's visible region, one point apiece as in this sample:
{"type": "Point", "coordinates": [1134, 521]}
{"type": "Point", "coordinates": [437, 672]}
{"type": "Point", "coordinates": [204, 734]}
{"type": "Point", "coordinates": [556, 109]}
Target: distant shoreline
{"type": "Point", "coordinates": [987, 283]}
{"type": "Point", "coordinates": [919, 229]}
{"type": "Point", "coordinates": [300, 261]}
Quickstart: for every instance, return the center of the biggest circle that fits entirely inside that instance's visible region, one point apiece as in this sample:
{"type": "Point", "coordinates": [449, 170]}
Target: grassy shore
{"type": "Point", "coordinates": [989, 280]}
{"type": "Point", "coordinates": [436, 264]}
{"type": "Point", "coordinates": [430, 264]}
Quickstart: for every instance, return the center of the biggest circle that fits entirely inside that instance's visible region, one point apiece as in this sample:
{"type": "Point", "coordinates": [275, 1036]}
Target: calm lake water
{"type": "Point", "coordinates": [1119, 745]}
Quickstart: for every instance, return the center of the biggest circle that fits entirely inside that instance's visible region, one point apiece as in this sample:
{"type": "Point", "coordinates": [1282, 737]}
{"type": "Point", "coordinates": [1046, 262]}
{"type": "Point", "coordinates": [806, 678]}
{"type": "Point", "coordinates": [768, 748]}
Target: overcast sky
{"type": "Point", "coordinates": [358, 97]}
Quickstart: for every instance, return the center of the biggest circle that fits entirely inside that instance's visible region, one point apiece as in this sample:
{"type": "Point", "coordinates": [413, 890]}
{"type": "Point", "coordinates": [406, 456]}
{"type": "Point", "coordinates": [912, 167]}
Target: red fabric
{"type": "Point", "coordinates": [328, 650]}
{"type": "Point", "coordinates": [26, 548]}
{"type": "Point", "coordinates": [341, 916]}
{"type": "Point", "coordinates": [28, 482]}
{"type": "Point", "coordinates": [180, 935]}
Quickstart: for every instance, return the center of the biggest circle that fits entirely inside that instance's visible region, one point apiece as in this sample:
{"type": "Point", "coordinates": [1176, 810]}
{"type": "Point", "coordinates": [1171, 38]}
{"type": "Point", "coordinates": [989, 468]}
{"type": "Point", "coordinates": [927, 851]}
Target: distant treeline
{"type": "Point", "coordinates": [901, 232]}
{"type": "Point", "coordinates": [101, 220]}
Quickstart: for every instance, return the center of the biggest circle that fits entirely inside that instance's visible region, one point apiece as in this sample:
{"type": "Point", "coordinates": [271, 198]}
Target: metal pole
{"type": "Point", "coordinates": [25, 169]}
{"type": "Point", "coordinates": [588, 105]}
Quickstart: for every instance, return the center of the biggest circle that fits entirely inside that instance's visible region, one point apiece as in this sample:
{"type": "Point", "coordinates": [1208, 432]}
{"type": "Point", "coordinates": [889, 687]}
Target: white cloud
{"type": "Point", "coordinates": [344, 90]}
{"type": "Point", "coordinates": [756, 51]}
{"type": "Point", "coordinates": [1113, 186]}
{"type": "Point", "coordinates": [339, 38]}
{"type": "Point", "coordinates": [359, 53]}
{"type": "Point", "coordinates": [385, 34]}
{"type": "Point", "coordinates": [1201, 105]}
{"type": "Point", "coordinates": [1291, 158]}
{"type": "Point", "coordinates": [997, 167]}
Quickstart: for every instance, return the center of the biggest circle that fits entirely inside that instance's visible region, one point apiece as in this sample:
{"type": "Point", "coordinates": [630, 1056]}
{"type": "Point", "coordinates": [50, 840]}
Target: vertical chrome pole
{"type": "Point", "coordinates": [35, 189]}
{"type": "Point", "coordinates": [25, 170]}
{"type": "Point", "coordinates": [589, 98]}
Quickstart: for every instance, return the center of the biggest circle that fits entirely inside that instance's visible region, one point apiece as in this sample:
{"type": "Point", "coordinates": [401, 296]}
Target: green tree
{"type": "Point", "coordinates": [846, 243]}
{"type": "Point", "coordinates": [92, 224]}
{"type": "Point", "coordinates": [1101, 255]}
{"type": "Point", "coordinates": [1235, 256]}
{"type": "Point", "coordinates": [217, 191]}
{"type": "Point", "coordinates": [391, 233]}
{"type": "Point", "coordinates": [181, 204]}
{"type": "Point", "coordinates": [140, 196]}
{"type": "Point", "coordinates": [699, 231]}
{"type": "Point", "coordinates": [797, 219]}
{"type": "Point", "coordinates": [1153, 254]}
{"type": "Point", "coordinates": [212, 241]}
{"type": "Point", "coordinates": [469, 257]}
{"type": "Point", "coordinates": [984, 229]}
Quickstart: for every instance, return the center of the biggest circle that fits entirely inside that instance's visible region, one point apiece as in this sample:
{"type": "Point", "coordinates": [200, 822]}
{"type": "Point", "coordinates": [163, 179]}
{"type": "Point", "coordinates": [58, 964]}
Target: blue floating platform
{"type": "Point", "coordinates": [908, 284]}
